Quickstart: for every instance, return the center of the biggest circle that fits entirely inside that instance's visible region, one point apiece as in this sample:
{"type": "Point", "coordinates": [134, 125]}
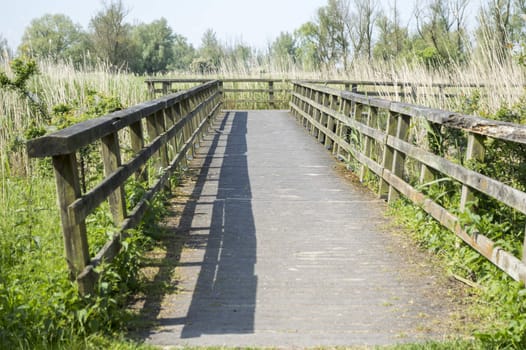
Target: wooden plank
{"type": "Point", "coordinates": [111, 159]}
{"type": "Point", "coordinates": [137, 144]}
{"type": "Point", "coordinates": [373, 133]}
{"type": "Point", "coordinates": [387, 156]}
{"type": "Point", "coordinates": [86, 204]}
{"type": "Point", "coordinates": [69, 140]}
{"type": "Point", "coordinates": [475, 151]}
{"type": "Point", "coordinates": [493, 188]}
{"type": "Point", "coordinates": [495, 129]}
{"type": "Point", "coordinates": [367, 142]}
{"type": "Point", "coordinates": [74, 232]}
{"type": "Point", "coordinates": [112, 247]}
{"type": "Point", "coordinates": [478, 241]}
{"type": "Point", "coordinates": [258, 90]}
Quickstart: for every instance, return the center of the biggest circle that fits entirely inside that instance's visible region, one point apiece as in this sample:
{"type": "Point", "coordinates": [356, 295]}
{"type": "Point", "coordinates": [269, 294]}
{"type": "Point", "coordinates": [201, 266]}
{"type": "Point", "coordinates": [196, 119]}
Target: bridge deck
{"type": "Point", "coordinates": [282, 251]}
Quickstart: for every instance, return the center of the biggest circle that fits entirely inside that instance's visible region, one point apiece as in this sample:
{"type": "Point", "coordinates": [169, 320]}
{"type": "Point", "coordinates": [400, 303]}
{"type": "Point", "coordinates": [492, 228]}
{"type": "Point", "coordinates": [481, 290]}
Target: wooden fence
{"type": "Point", "coordinates": [250, 93]}
{"type": "Point", "coordinates": [374, 133]}
{"type": "Point", "coordinates": [173, 123]}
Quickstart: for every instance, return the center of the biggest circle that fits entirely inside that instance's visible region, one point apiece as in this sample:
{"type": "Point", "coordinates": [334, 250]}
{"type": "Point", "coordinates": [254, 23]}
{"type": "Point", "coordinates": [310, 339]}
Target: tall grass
{"type": "Point", "coordinates": [57, 83]}
{"type": "Point", "coordinates": [33, 272]}
{"type": "Point", "coordinates": [501, 83]}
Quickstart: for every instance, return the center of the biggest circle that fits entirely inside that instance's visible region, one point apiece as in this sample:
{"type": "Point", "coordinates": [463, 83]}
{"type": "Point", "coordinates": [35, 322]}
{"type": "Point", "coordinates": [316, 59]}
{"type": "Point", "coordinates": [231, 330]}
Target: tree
{"type": "Point", "coordinates": [283, 51]}
{"type": "Point", "coordinates": [154, 44]}
{"type": "Point", "coordinates": [361, 27]}
{"type": "Point", "coordinates": [54, 36]}
{"type": "Point", "coordinates": [501, 27]}
{"type": "Point", "coordinates": [392, 37]}
{"type": "Point", "coordinates": [238, 55]}
{"type": "Point", "coordinates": [324, 41]}
{"type": "Point", "coordinates": [183, 53]}
{"type": "Point", "coordinates": [333, 42]}
{"type": "Point", "coordinates": [308, 43]}
{"type": "Point", "coordinates": [210, 53]}
{"type": "Point", "coordinates": [441, 30]}
{"type": "Point", "coordinates": [110, 35]}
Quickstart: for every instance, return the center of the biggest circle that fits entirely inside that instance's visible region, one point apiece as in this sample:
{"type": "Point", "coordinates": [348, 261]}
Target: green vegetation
{"type": "Point", "coordinates": [51, 86]}
{"type": "Point", "coordinates": [40, 306]}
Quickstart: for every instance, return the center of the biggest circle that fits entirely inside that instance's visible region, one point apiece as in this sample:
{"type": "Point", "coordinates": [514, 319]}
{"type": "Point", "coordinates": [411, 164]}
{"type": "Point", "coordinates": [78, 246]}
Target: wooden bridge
{"type": "Point", "coordinates": [281, 249]}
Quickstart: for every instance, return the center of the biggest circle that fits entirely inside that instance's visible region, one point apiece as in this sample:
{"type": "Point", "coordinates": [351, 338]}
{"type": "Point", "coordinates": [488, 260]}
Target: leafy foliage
{"type": "Point", "coordinates": [56, 37]}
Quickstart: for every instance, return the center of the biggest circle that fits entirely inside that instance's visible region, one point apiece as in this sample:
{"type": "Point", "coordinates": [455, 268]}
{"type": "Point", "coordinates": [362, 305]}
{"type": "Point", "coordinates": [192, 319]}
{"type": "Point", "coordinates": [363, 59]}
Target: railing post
{"type": "Point", "coordinates": [271, 94]}
{"type": "Point", "coordinates": [160, 127]}
{"type": "Point", "coordinates": [475, 151]}
{"type": "Point", "coordinates": [111, 158]}
{"type": "Point", "coordinates": [371, 120]}
{"type": "Point", "coordinates": [187, 108]}
{"type": "Point", "coordinates": [153, 125]}
{"type": "Point", "coordinates": [166, 87]}
{"type": "Point", "coordinates": [413, 93]}
{"type": "Point", "coordinates": [345, 109]}
{"type": "Point", "coordinates": [331, 124]}
{"type": "Point", "coordinates": [75, 238]}
{"type": "Point", "coordinates": [151, 89]}
{"type": "Point", "coordinates": [220, 89]}
{"type": "Point", "coordinates": [180, 140]}
{"type": "Point", "coordinates": [427, 174]}
{"type": "Point", "coordinates": [399, 158]}
{"type": "Point", "coordinates": [316, 116]}
{"type": "Point", "coordinates": [169, 117]}
{"type": "Point", "coordinates": [322, 120]}
{"type": "Point", "coordinates": [137, 144]}
{"type": "Point", "coordinates": [397, 126]}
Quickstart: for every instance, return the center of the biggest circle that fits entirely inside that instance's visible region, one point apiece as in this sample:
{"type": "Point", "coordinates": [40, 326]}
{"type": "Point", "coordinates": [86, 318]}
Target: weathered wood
{"type": "Point", "coordinates": [474, 152]}
{"type": "Point", "coordinates": [153, 131]}
{"type": "Point", "coordinates": [112, 247]}
{"type": "Point", "coordinates": [111, 158]}
{"type": "Point", "coordinates": [491, 128]}
{"type": "Point", "coordinates": [484, 184]}
{"type": "Point", "coordinates": [162, 129]}
{"type": "Point", "coordinates": [373, 133]}
{"type": "Point", "coordinates": [137, 144]}
{"type": "Point", "coordinates": [367, 142]}
{"type": "Point", "coordinates": [74, 232]}
{"type": "Point", "coordinates": [160, 123]}
{"type": "Point", "coordinates": [427, 174]}
{"type": "Point", "coordinates": [69, 140]}
{"type": "Point", "coordinates": [485, 246]}
{"type": "Point", "coordinates": [384, 189]}
{"type": "Point", "coordinates": [396, 149]}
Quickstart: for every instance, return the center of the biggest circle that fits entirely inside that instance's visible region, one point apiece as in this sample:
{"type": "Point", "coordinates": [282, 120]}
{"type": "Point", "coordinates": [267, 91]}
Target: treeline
{"type": "Point", "coordinates": [339, 33]}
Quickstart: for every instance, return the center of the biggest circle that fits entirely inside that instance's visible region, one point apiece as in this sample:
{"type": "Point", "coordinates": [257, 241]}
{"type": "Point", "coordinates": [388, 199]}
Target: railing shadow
{"type": "Point", "coordinates": [224, 298]}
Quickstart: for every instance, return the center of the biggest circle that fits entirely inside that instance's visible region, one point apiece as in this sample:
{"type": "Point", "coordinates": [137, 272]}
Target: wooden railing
{"type": "Point", "coordinates": [253, 93]}
{"type": "Point", "coordinates": [374, 134]}
{"type": "Point", "coordinates": [250, 93]}
{"type": "Point", "coordinates": [174, 124]}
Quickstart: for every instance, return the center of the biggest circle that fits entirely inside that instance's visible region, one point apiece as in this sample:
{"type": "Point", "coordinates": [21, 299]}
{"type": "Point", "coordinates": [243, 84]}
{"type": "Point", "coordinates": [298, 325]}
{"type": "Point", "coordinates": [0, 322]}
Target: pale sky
{"type": "Point", "coordinates": [254, 22]}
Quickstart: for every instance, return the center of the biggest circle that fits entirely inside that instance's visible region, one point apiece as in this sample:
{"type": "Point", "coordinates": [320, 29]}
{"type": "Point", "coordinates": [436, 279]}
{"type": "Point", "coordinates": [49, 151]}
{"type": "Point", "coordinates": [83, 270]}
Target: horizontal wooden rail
{"type": "Point", "coordinates": [375, 133]}
{"type": "Point", "coordinates": [246, 93]}
{"type": "Point", "coordinates": [174, 125]}
{"type": "Point", "coordinates": [278, 90]}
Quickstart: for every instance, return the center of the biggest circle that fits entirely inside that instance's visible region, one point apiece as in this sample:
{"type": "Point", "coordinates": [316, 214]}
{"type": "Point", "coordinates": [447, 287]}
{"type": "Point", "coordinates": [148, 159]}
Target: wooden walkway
{"type": "Point", "coordinates": [283, 251]}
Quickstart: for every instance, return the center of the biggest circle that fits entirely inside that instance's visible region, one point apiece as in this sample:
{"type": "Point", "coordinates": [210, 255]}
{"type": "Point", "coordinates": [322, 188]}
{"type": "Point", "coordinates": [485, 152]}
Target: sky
{"type": "Point", "coordinates": [252, 22]}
